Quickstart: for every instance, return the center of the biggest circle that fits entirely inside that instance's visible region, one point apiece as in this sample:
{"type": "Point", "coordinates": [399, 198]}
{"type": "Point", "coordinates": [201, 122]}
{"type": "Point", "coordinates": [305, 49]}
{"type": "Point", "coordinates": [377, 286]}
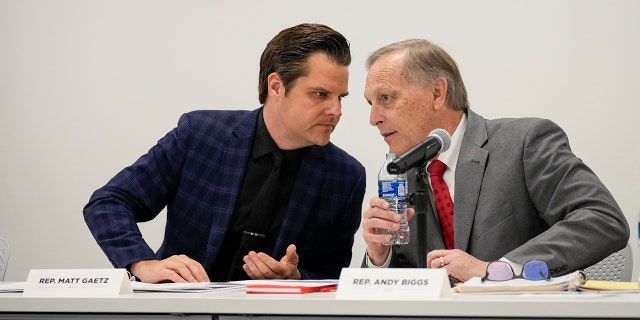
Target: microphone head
{"type": "Point", "coordinates": [443, 136]}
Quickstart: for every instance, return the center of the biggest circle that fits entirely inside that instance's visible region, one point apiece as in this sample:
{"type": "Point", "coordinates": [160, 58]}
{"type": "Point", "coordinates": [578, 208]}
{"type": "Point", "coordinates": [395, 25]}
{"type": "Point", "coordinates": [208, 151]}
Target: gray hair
{"type": "Point", "coordinates": [424, 62]}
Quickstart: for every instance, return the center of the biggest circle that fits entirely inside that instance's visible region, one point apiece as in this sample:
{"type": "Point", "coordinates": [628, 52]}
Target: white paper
{"type": "Point", "coordinates": [12, 286]}
{"type": "Point", "coordinates": [475, 284]}
{"type": "Point", "coordinates": [186, 287]}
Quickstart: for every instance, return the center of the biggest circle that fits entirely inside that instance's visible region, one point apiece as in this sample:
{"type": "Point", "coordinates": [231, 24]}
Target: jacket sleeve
{"type": "Point", "coordinates": [138, 193]}
{"type": "Point", "coordinates": [582, 214]}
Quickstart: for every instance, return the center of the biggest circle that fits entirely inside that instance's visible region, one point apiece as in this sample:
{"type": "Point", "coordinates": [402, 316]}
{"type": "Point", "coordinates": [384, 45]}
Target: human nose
{"type": "Point", "coordinates": [335, 109]}
{"type": "Point", "coordinates": [375, 117]}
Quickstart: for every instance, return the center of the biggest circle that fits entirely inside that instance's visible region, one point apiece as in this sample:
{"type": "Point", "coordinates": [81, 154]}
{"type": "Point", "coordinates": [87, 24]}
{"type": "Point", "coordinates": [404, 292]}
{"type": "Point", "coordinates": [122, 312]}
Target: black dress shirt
{"type": "Point", "coordinates": [258, 168]}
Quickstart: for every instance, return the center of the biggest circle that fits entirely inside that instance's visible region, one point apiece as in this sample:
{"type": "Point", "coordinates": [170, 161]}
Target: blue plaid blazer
{"type": "Point", "coordinates": [196, 171]}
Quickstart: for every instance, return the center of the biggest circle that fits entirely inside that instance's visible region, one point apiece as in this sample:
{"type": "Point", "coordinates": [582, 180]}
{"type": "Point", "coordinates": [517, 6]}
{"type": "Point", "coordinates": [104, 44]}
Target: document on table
{"type": "Point", "coordinates": [147, 287]}
{"type": "Point", "coordinates": [475, 285]}
{"type": "Point", "coordinates": [608, 286]}
{"type": "Point", "coordinates": [12, 286]}
{"type": "Point", "coordinates": [282, 286]}
{"type": "Point", "coordinates": [187, 287]}
{"type": "Point", "coordinates": [575, 281]}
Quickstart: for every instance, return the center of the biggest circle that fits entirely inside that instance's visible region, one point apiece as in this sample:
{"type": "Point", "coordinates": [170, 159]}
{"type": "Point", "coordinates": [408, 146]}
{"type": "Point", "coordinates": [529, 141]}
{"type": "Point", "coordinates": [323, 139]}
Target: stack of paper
{"type": "Point", "coordinates": [12, 286]}
{"type": "Point", "coordinates": [517, 285]}
{"type": "Point", "coordinates": [609, 286]}
{"type": "Point", "coordinates": [571, 282]}
{"type": "Point", "coordinates": [182, 287]}
{"type": "Point", "coordinates": [289, 286]}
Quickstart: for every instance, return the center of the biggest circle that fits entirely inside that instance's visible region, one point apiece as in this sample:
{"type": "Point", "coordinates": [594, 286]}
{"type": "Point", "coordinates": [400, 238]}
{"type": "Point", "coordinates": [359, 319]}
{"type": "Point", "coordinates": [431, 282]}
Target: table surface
{"type": "Point", "coordinates": [237, 302]}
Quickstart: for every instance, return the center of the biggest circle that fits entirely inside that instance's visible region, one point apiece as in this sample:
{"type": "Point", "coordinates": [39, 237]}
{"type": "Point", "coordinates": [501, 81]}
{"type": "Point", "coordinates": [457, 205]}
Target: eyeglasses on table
{"type": "Point", "coordinates": [502, 271]}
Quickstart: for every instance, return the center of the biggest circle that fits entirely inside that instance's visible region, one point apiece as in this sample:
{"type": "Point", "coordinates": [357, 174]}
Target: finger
{"type": "Point", "coordinates": [435, 263]}
{"type": "Point", "coordinates": [376, 231]}
{"type": "Point", "coordinates": [247, 269]}
{"type": "Point", "coordinates": [375, 237]}
{"type": "Point", "coordinates": [376, 212]}
{"type": "Point", "coordinates": [178, 266]}
{"type": "Point", "coordinates": [269, 267]}
{"type": "Point", "coordinates": [433, 255]}
{"type": "Point", "coordinates": [376, 218]}
{"type": "Point", "coordinates": [291, 256]}
{"type": "Point", "coordinates": [410, 213]}
{"type": "Point", "coordinates": [250, 267]}
{"type": "Point", "coordinates": [258, 266]}
{"type": "Point", "coordinates": [291, 264]}
{"type": "Point", "coordinates": [155, 271]}
{"type": "Point", "coordinates": [190, 270]}
{"type": "Point", "coordinates": [169, 275]}
{"type": "Point", "coordinates": [379, 203]}
{"type": "Point", "coordinates": [197, 270]}
{"type": "Point", "coordinates": [161, 271]}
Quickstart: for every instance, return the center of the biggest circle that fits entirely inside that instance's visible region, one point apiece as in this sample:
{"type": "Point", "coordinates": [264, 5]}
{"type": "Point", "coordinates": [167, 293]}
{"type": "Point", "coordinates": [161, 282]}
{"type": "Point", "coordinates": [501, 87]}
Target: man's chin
{"type": "Point", "coordinates": [396, 150]}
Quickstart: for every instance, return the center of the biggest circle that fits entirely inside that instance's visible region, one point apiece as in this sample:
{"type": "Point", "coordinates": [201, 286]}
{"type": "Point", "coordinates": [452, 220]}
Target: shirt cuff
{"type": "Point", "coordinates": [369, 263]}
{"type": "Point", "coordinates": [517, 268]}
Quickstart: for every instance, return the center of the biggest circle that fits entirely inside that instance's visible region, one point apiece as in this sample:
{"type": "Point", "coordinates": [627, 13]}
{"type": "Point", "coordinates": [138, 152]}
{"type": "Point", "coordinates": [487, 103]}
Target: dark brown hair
{"type": "Point", "coordinates": [288, 51]}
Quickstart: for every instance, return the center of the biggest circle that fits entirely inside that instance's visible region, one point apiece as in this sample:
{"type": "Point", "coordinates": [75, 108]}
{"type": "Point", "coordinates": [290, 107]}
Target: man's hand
{"type": "Point", "coordinates": [459, 264]}
{"type": "Point", "coordinates": [375, 219]}
{"type": "Point", "coordinates": [262, 266]}
{"type": "Point", "coordinates": [177, 268]}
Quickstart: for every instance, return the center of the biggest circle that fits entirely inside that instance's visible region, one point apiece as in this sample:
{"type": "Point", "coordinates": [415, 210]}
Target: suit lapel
{"type": "Point", "coordinates": [469, 174]}
{"type": "Point", "coordinates": [232, 163]}
{"type": "Point", "coordinates": [303, 196]}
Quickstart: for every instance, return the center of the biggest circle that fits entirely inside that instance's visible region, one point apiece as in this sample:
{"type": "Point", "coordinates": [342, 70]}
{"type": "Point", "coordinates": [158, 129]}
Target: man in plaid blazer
{"type": "Point", "coordinates": [197, 171]}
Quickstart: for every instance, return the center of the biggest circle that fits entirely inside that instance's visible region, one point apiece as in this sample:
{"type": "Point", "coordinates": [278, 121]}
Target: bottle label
{"type": "Point", "coordinates": [389, 189]}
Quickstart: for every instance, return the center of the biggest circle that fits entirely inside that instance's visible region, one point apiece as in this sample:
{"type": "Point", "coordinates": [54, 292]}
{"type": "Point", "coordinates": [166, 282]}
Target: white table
{"type": "Point", "coordinates": [232, 304]}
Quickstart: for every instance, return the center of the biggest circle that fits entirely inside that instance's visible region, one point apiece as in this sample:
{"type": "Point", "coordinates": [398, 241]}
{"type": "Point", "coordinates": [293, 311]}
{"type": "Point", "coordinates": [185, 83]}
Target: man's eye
{"type": "Point", "coordinates": [321, 94]}
{"type": "Point", "coordinates": [385, 98]}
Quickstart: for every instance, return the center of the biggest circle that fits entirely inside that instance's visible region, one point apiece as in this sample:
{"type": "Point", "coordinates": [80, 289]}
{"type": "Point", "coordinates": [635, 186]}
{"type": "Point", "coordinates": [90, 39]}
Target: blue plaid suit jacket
{"type": "Point", "coordinates": [196, 171]}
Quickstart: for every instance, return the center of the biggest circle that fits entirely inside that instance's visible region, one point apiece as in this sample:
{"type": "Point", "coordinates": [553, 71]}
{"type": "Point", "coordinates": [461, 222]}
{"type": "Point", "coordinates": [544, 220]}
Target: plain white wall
{"type": "Point", "coordinates": [87, 86]}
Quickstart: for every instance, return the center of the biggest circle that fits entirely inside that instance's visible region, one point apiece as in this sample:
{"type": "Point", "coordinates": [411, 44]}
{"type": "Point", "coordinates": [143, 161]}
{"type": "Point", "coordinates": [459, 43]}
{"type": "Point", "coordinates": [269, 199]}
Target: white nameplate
{"type": "Point", "coordinates": [393, 284]}
{"type": "Point", "coordinates": [77, 282]}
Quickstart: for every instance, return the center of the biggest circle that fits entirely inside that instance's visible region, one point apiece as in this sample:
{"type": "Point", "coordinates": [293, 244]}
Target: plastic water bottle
{"type": "Point", "coordinates": [393, 189]}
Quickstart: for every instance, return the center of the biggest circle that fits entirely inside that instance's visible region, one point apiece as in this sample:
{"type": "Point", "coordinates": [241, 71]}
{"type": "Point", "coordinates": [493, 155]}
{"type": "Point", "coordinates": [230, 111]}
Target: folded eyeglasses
{"type": "Point", "coordinates": [502, 271]}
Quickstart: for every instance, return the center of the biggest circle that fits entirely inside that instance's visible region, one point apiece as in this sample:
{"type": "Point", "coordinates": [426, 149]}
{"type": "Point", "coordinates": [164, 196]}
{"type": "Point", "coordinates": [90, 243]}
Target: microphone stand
{"type": "Point", "coordinates": [420, 201]}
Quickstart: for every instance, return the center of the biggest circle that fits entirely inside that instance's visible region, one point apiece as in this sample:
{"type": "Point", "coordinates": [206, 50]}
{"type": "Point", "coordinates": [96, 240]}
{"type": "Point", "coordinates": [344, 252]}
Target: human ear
{"type": "Point", "coordinates": [439, 92]}
{"type": "Point", "coordinates": [275, 84]}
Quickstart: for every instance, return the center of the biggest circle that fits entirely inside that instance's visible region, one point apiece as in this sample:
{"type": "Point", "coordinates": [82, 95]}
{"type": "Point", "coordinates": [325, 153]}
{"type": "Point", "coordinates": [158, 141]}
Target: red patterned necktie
{"type": "Point", "coordinates": [444, 205]}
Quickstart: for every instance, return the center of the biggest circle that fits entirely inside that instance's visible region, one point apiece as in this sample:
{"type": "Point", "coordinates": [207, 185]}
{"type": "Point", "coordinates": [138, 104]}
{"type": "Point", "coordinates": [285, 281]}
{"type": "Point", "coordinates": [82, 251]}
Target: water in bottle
{"type": "Point", "coordinates": [393, 189]}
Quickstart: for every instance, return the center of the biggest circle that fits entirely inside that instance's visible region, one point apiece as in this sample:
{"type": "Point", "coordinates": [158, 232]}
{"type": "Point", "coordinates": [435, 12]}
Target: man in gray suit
{"type": "Point", "coordinates": [519, 193]}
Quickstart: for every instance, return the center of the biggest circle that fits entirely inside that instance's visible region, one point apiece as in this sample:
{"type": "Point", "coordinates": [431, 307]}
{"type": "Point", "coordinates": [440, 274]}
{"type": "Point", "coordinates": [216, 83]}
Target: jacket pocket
{"type": "Point", "coordinates": [501, 216]}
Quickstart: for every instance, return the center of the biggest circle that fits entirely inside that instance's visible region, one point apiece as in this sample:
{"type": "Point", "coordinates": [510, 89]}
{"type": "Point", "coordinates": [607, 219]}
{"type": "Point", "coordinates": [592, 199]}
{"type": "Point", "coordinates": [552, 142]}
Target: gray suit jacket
{"type": "Point", "coordinates": [522, 194]}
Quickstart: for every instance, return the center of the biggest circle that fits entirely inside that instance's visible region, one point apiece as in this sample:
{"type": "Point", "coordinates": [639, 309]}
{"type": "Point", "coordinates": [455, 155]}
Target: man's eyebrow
{"type": "Point", "coordinates": [344, 94]}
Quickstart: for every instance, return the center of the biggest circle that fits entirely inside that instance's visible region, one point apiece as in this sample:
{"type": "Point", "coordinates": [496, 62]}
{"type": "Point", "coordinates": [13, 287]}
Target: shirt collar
{"type": "Point", "coordinates": [450, 157]}
{"type": "Point", "coordinates": [263, 143]}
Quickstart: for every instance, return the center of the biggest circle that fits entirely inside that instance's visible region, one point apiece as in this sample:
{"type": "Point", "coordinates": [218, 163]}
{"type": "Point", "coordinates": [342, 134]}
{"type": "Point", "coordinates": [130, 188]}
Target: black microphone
{"type": "Point", "coordinates": [438, 141]}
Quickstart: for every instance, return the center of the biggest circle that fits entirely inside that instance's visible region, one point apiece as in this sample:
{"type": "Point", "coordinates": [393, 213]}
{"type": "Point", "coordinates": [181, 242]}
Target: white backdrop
{"type": "Point", "coordinates": [88, 86]}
